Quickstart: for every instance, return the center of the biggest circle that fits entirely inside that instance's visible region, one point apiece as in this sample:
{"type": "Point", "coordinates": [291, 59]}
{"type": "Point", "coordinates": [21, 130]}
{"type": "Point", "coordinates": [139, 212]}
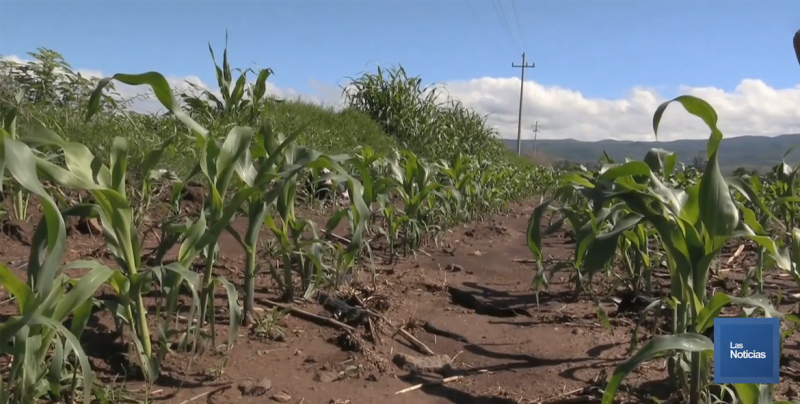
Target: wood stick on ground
{"type": "Point", "coordinates": [424, 348]}
{"type": "Point", "coordinates": [524, 261]}
{"type": "Point", "coordinates": [378, 316]}
{"type": "Point", "coordinates": [212, 391]}
{"type": "Point", "coordinates": [307, 315]}
{"type": "Point", "coordinates": [399, 330]}
{"type": "Point", "coordinates": [338, 238]}
{"type": "Point", "coordinates": [375, 334]}
{"type": "Point", "coordinates": [568, 393]}
{"type": "Point", "coordinates": [736, 254]}
{"type": "Point", "coordinates": [436, 383]}
{"type": "Point", "coordinates": [573, 400]}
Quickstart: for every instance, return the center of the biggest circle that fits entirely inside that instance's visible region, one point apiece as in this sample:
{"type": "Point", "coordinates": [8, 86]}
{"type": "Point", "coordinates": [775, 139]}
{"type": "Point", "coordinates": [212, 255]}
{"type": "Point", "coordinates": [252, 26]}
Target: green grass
{"type": "Point", "coordinates": [322, 128]}
{"type": "Point", "coordinates": [327, 130]}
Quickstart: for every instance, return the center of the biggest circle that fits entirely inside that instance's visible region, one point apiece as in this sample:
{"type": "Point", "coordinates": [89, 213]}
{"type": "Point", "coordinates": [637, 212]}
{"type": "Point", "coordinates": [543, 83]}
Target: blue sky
{"type": "Point", "coordinates": [601, 49]}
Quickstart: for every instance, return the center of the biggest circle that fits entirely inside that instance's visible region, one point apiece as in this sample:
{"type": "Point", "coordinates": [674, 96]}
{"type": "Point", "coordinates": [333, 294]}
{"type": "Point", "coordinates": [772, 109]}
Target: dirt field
{"type": "Point", "coordinates": [470, 301]}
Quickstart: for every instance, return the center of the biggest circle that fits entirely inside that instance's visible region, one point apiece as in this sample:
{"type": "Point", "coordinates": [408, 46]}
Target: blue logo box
{"type": "Point", "coordinates": [747, 350]}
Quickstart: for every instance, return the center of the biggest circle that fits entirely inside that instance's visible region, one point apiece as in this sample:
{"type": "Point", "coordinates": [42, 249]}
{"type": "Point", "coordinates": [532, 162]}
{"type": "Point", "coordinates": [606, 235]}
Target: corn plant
{"type": "Point", "coordinates": [757, 203]}
{"type": "Point", "coordinates": [9, 123]}
{"type": "Point", "coordinates": [107, 186]}
{"type": "Point", "coordinates": [217, 164]}
{"type": "Point", "coordinates": [416, 189]}
{"type": "Point", "coordinates": [692, 226]}
{"type": "Point", "coordinates": [585, 220]}
{"type": "Point", "coordinates": [233, 105]}
{"type": "Point", "coordinates": [306, 254]}
{"type": "Point", "coordinates": [44, 302]}
{"type": "Point", "coordinates": [268, 151]}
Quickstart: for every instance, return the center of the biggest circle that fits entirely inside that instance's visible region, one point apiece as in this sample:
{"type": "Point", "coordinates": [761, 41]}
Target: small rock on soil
{"type": "Point", "coordinates": [255, 388]}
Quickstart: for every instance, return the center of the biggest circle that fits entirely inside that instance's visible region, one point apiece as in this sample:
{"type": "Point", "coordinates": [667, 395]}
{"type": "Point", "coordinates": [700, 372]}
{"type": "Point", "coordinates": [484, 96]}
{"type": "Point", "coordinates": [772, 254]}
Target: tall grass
{"type": "Point", "coordinates": [423, 119]}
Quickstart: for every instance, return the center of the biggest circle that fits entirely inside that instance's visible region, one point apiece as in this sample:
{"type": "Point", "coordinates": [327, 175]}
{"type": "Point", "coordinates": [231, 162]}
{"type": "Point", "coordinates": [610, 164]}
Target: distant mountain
{"type": "Point", "coordinates": [751, 152]}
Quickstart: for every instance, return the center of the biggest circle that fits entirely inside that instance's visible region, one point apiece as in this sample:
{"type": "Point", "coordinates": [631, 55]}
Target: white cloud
{"type": "Point", "coordinates": [753, 108]}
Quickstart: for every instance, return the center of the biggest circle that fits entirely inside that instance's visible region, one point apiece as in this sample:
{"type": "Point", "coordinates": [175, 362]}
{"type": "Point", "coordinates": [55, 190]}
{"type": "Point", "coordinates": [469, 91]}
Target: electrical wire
{"type": "Point", "coordinates": [483, 26]}
{"type": "Point", "coordinates": [504, 22]}
{"type": "Point", "coordinates": [521, 32]}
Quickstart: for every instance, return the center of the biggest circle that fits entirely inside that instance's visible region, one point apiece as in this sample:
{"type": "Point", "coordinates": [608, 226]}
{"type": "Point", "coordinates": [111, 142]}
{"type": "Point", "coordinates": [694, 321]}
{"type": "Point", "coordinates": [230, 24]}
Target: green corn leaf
{"type": "Point", "coordinates": [51, 231]}
{"type": "Point", "coordinates": [534, 234]}
{"type": "Point", "coordinates": [698, 108]}
{"type": "Point", "coordinates": [660, 160]}
{"type": "Point", "coordinates": [717, 209]}
{"type": "Point", "coordinates": [633, 168]}
{"type": "Point", "coordinates": [603, 247]}
{"type": "Point", "coordinates": [751, 393]}
{"type": "Point", "coordinates": [233, 308]}
{"type": "Point", "coordinates": [26, 300]}
{"type": "Point", "coordinates": [690, 342]}
{"type": "Point", "coordinates": [161, 89]}
{"type": "Point", "coordinates": [83, 290]}
{"type": "Point", "coordinates": [705, 318]}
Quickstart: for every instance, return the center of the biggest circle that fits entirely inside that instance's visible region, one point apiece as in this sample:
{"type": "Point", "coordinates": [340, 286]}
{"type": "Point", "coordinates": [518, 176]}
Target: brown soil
{"type": "Point", "coordinates": [508, 349]}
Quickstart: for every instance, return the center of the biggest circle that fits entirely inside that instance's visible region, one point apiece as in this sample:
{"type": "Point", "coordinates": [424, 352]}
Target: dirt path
{"type": "Point", "coordinates": [558, 348]}
{"type": "Point", "coordinates": [517, 354]}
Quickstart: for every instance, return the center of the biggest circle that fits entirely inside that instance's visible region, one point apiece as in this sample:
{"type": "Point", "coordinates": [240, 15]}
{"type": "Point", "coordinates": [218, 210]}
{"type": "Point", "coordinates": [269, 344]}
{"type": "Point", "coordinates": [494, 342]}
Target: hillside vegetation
{"type": "Point", "coordinates": [385, 110]}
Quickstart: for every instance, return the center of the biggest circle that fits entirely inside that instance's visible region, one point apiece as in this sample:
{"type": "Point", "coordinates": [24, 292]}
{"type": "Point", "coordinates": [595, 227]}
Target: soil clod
{"type": "Point", "coordinates": [255, 388]}
{"type": "Point", "coordinates": [281, 397]}
{"type": "Point", "coordinates": [18, 230]}
{"type": "Point", "coordinates": [423, 364]}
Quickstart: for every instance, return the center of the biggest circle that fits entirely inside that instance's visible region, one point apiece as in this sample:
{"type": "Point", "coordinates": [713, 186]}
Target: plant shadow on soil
{"type": "Point", "coordinates": [471, 301]}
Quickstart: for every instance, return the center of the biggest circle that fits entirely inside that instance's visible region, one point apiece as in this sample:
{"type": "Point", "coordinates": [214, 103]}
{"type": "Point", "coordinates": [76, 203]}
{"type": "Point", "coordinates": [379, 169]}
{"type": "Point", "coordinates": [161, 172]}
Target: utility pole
{"type": "Point", "coordinates": [523, 66]}
{"type": "Point", "coordinates": [535, 135]}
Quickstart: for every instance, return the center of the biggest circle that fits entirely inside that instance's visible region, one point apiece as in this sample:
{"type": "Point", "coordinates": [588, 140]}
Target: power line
{"type": "Point", "coordinates": [507, 25]}
{"type": "Point", "coordinates": [483, 26]}
{"type": "Point", "coordinates": [523, 66]}
{"type": "Point", "coordinates": [516, 17]}
{"type": "Point", "coordinates": [504, 22]}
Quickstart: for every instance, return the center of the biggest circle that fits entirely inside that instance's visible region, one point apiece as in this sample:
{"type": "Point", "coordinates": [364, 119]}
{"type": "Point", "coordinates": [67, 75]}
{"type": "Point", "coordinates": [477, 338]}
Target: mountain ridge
{"type": "Point", "coordinates": [750, 152]}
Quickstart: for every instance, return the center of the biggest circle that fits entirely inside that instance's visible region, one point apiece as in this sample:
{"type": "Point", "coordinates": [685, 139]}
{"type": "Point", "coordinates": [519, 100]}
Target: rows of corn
{"type": "Point", "coordinates": [634, 217]}
{"type": "Point", "coordinates": [248, 169]}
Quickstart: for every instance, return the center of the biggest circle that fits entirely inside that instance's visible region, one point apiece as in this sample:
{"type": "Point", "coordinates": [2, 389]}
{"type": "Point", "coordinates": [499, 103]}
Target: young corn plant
{"type": "Point", "coordinates": [9, 123]}
{"type": "Point", "coordinates": [460, 173]}
{"type": "Point", "coordinates": [107, 186]}
{"type": "Point", "coordinates": [217, 165]}
{"type": "Point", "coordinates": [292, 246]}
{"type": "Point", "coordinates": [635, 253]}
{"type": "Point", "coordinates": [757, 205]}
{"type": "Point", "coordinates": [37, 335]}
{"type": "Point", "coordinates": [393, 222]}
{"type": "Point", "coordinates": [693, 226]}
{"type": "Point", "coordinates": [365, 187]}
{"type": "Point", "coordinates": [267, 154]}
{"type": "Point", "coordinates": [306, 254]}
{"type": "Point", "coordinates": [232, 105]}
{"type": "Point", "coordinates": [417, 187]}
{"type": "Point", "coordinates": [585, 219]}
